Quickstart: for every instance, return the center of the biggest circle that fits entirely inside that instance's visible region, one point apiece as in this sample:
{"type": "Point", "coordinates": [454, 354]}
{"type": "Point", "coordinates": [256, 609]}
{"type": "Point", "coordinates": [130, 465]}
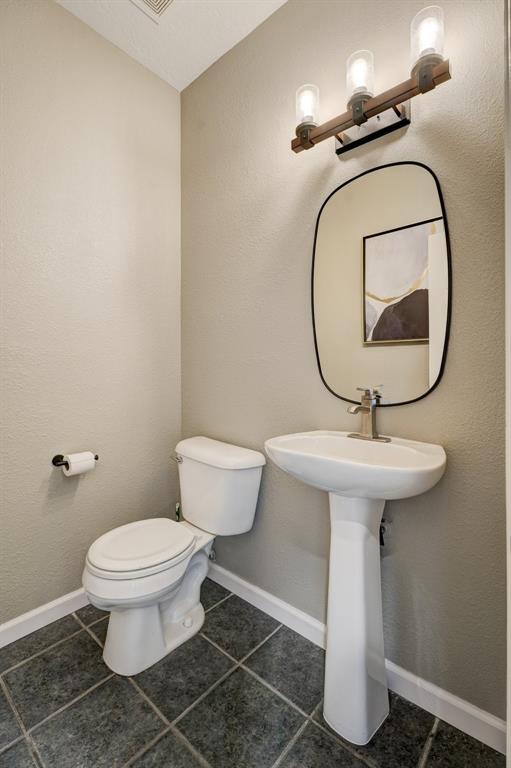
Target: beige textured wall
{"type": "Point", "coordinates": [249, 372]}
{"type": "Point", "coordinates": [90, 201]}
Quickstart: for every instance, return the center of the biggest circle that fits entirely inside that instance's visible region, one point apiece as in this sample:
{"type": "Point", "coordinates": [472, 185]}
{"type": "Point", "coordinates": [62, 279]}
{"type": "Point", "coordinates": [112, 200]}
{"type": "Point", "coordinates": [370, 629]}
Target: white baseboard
{"type": "Point", "coordinates": [40, 617]}
{"type": "Point", "coordinates": [476, 722]}
{"type": "Point", "coordinates": [461, 714]}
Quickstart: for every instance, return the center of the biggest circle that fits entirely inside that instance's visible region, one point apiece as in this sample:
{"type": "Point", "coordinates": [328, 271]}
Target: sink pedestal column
{"type": "Point", "coordinates": [356, 696]}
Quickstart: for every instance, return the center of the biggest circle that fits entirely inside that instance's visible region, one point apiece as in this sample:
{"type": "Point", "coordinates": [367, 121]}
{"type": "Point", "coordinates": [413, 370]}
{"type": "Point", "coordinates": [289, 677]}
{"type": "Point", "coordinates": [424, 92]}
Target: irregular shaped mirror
{"type": "Point", "coordinates": [381, 284]}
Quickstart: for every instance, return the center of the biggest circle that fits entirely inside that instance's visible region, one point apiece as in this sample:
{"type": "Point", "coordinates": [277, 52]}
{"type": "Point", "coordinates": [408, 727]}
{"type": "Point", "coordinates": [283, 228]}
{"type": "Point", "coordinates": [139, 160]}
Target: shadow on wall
{"type": "Point", "coordinates": [60, 487]}
{"type": "Point", "coordinates": [408, 602]}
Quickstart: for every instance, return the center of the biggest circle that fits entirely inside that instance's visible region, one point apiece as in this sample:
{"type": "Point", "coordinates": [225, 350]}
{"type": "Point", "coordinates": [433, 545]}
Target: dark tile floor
{"type": "Point", "coordinates": [244, 693]}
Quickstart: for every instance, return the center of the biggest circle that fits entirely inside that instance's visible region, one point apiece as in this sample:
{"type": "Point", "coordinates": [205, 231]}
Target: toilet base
{"type": "Point", "coordinates": [139, 636]}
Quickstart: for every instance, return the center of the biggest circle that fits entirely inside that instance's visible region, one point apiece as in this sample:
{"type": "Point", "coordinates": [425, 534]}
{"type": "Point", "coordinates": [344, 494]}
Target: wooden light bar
{"type": "Point", "coordinates": [394, 97]}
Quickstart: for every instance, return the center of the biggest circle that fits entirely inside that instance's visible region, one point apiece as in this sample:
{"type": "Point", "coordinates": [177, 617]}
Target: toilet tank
{"type": "Point", "coordinates": [219, 485]}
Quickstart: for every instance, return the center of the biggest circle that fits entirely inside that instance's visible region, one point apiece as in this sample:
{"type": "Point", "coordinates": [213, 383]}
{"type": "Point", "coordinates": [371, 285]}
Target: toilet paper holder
{"type": "Point", "coordinates": [59, 461]}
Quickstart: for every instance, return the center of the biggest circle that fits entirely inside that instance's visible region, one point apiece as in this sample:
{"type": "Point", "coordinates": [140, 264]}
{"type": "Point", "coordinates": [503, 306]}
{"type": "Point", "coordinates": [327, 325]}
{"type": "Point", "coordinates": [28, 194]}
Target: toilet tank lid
{"type": "Point", "coordinates": [218, 454]}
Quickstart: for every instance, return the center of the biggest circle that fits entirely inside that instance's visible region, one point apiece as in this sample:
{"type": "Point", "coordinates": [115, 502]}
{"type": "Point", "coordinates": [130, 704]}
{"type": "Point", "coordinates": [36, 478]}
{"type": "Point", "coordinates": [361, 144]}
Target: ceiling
{"type": "Point", "coordinates": [186, 38]}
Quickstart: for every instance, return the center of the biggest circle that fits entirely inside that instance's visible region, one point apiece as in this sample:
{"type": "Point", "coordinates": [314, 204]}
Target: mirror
{"type": "Point", "coordinates": [381, 284]}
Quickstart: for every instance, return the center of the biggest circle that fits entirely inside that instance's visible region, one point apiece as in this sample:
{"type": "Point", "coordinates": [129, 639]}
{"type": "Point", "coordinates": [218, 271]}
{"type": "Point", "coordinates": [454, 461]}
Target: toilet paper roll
{"type": "Point", "coordinates": [79, 463]}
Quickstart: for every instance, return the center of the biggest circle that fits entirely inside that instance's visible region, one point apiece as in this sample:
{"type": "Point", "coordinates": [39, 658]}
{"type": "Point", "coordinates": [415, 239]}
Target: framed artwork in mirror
{"type": "Point", "coordinates": [397, 265]}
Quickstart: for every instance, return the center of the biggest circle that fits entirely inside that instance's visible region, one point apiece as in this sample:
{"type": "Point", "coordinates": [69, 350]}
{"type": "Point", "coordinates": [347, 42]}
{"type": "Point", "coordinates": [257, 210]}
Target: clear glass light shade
{"type": "Point", "coordinates": [360, 74]}
{"type": "Point", "coordinates": [307, 104]}
{"type": "Point", "coordinates": [427, 34]}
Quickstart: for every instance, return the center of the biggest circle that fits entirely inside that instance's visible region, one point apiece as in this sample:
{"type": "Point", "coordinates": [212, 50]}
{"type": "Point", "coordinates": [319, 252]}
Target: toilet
{"type": "Point", "coordinates": [148, 574]}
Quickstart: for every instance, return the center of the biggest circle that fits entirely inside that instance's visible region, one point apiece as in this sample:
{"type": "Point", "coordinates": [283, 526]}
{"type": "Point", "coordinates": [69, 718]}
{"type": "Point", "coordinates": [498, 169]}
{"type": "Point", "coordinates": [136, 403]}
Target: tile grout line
{"type": "Point", "coordinates": [274, 690]}
{"type": "Point", "coordinates": [203, 695]}
{"type": "Point", "coordinates": [27, 738]}
{"type": "Point", "coordinates": [11, 744]}
{"type": "Point", "coordinates": [351, 749]}
{"type": "Point", "coordinates": [259, 645]}
{"type": "Point", "coordinates": [245, 657]}
{"type": "Point", "coordinates": [289, 746]}
{"type": "Point", "coordinates": [335, 736]}
{"type": "Point", "coordinates": [309, 718]}
{"type": "Point", "coordinates": [177, 733]}
{"type": "Point", "coordinates": [97, 621]}
{"type": "Point", "coordinates": [12, 704]}
{"type": "Point", "coordinates": [81, 627]}
{"type": "Point", "coordinates": [369, 762]}
{"type": "Point", "coordinates": [69, 704]}
{"type": "Point", "coordinates": [153, 706]}
{"type": "Point", "coordinates": [146, 747]}
{"type": "Point", "coordinates": [96, 639]}
{"type": "Point", "coordinates": [236, 665]}
{"type": "Point", "coordinates": [35, 748]}
{"type": "Point", "coordinates": [27, 732]}
{"type": "Point", "coordinates": [423, 760]}
{"type": "Point", "coordinates": [43, 650]}
{"type": "Point", "coordinates": [215, 605]}
{"type": "Point", "coordinates": [90, 632]}
{"type": "Point", "coordinates": [92, 623]}
{"type": "Point", "coordinates": [215, 645]}
{"type": "Point", "coordinates": [173, 727]}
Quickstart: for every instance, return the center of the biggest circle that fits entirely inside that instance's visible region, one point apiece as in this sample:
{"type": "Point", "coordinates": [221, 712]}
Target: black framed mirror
{"type": "Point", "coordinates": [381, 284]}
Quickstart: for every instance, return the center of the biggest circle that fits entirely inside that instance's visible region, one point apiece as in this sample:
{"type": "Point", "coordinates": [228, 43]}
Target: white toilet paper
{"type": "Point", "coordinates": [79, 463]}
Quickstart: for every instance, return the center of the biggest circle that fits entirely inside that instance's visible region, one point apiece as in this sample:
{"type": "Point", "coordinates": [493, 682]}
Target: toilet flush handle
{"type": "Point", "coordinates": [177, 458]}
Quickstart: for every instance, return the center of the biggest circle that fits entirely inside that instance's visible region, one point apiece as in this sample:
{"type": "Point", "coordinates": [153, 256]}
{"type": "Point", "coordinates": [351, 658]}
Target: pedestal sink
{"type": "Point", "coordinates": [358, 475]}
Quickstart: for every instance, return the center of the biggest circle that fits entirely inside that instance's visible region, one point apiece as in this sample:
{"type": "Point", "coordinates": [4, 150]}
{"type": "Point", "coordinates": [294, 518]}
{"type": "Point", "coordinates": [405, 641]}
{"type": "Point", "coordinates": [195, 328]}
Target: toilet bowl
{"type": "Point", "coordinates": [148, 573]}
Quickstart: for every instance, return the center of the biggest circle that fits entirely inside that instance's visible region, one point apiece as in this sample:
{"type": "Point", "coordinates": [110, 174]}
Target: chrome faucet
{"type": "Point", "coordinates": [369, 401]}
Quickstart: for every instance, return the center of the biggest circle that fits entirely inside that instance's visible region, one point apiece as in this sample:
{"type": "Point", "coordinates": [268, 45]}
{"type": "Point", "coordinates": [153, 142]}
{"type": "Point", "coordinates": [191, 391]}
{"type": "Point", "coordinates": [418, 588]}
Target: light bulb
{"type": "Point", "coordinates": [360, 75]}
{"type": "Point", "coordinates": [428, 32]}
{"type": "Point", "coordinates": [427, 35]}
{"type": "Point", "coordinates": [307, 105]}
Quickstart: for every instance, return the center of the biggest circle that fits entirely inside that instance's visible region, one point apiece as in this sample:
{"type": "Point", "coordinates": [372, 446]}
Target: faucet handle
{"type": "Point", "coordinates": [372, 394]}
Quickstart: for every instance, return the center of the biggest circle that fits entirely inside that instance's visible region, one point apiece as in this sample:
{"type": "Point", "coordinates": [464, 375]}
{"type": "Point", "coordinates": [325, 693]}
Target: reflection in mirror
{"type": "Point", "coordinates": [381, 284]}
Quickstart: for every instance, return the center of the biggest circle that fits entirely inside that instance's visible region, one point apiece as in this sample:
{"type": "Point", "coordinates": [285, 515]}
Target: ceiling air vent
{"type": "Point", "coordinates": [153, 8]}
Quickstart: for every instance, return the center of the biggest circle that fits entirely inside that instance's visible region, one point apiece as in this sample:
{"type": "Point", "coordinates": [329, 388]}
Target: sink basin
{"type": "Point", "coordinates": [336, 463]}
{"type": "Point", "coordinates": [359, 476]}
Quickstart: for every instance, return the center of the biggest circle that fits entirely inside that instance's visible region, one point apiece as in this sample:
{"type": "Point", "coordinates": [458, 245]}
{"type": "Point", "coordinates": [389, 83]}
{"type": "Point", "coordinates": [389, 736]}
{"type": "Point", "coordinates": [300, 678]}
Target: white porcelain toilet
{"type": "Point", "coordinates": [148, 574]}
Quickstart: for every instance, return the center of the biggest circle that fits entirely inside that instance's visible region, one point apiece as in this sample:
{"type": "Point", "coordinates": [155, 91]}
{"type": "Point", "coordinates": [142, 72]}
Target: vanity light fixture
{"type": "Point", "coordinates": [376, 115]}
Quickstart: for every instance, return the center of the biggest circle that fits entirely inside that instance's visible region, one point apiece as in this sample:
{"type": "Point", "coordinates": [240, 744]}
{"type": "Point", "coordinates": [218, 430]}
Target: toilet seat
{"type": "Point", "coordinates": [140, 549]}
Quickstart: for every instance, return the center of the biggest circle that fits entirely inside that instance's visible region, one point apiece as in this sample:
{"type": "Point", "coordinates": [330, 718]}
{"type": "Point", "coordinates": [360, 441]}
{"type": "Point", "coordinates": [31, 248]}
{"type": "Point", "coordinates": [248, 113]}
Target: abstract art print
{"type": "Point", "coordinates": [396, 282]}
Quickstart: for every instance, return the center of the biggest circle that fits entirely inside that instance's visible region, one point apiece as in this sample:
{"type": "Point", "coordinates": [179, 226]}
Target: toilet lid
{"type": "Point", "coordinates": [138, 545]}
